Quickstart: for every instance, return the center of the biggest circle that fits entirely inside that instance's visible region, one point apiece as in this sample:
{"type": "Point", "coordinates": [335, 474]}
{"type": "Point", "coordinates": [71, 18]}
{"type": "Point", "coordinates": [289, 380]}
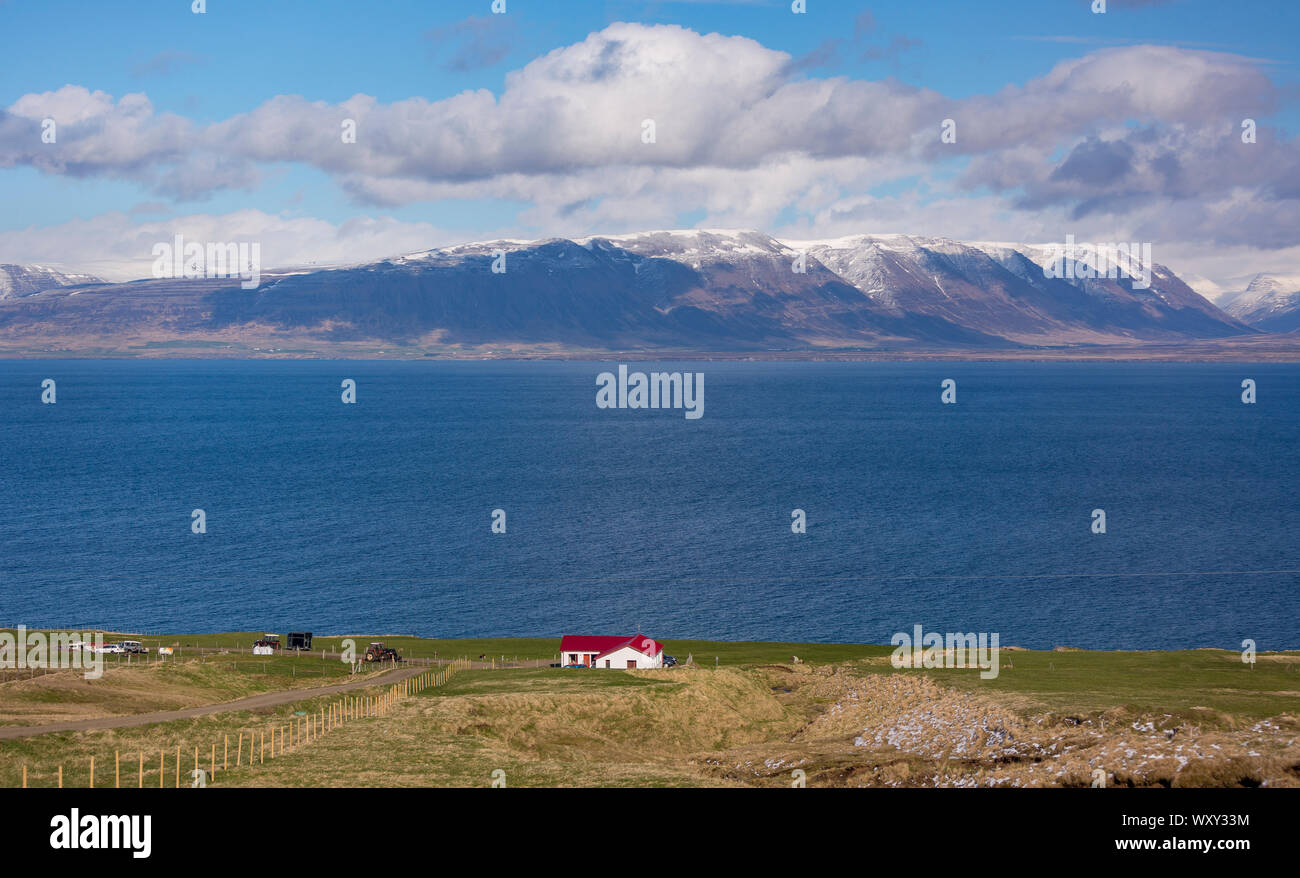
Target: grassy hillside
{"type": "Point", "coordinates": [1082, 681]}
{"type": "Point", "coordinates": [144, 684]}
{"type": "Point", "coordinates": [842, 716]}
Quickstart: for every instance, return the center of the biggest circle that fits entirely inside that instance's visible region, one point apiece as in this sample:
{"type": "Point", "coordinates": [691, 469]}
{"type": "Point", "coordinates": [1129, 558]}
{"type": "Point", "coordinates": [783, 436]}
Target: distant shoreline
{"type": "Point", "coordinates": [1284, 348]}
{"type": "Point", "coordinates": [217, 640]}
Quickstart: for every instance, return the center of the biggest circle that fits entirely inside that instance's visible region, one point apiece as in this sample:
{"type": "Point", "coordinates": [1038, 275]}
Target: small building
{"type": "Point", "coordinates": [599, 651]}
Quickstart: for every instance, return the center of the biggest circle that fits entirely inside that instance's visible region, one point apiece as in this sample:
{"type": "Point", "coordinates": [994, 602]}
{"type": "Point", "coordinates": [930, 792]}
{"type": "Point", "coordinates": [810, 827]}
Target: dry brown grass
{"type": "Point", "coordinates": [753, 727]}
{"type": "Point", "coordinates": [903, 730]}
{"type": "Point", "coordinates": [693, 709]}
{"type": "Point", "coordinates": [549, 729]}
{"type": "Point", "coordinates": [66, 695]}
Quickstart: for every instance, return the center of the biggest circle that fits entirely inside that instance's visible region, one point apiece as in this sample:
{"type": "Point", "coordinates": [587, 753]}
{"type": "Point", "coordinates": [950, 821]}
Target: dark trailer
{"type": "Point", "coordinates": [300, 640]}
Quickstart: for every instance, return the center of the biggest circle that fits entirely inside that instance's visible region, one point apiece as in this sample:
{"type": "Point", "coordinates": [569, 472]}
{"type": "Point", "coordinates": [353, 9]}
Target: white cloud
{"type": "Point", "coordinates": [116, 248]}
{"type": "Point", "coordinates": [1143, 138]}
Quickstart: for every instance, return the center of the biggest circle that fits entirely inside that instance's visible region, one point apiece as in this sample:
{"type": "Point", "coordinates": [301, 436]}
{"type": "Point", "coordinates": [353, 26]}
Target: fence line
{"type": "Point", "coordinates": [285, 737]}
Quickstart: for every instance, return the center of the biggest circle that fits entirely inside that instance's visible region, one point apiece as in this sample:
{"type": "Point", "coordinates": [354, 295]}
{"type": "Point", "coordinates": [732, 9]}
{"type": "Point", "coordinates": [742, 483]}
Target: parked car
{"type": "Point", "coordinates": [670, 662]}
{"type": "Point", "coordinates": [110, 648]}
{"type": "Point", "coordinates": [134, 646]}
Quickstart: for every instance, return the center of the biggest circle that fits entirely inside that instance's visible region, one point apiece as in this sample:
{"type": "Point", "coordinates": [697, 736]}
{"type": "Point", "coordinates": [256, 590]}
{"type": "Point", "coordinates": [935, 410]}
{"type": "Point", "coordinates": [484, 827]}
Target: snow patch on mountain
{"type": "Point", "coordinates": [26, 280]}
{"type": "Point", "coordinates": [1270, 298]}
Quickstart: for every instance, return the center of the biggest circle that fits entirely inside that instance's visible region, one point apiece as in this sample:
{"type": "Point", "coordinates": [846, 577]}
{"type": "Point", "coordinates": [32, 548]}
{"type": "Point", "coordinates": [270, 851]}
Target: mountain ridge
{"type": "Point", "coordinates": [673, 289]}
{"type": "Point", "coordinates": [26, 280]}
{"type": "Point", "coordinates": [1271, 302]}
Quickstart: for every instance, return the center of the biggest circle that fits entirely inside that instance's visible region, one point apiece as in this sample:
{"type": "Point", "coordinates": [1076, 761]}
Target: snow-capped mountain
{"type": "Point", "coordinates": [1007, 290]}
{"type": "Point", "coordinates": [1271, 302]}
{"type": "Point", "coordinates": [704, 290]}
{"type": "Point", "coordinates": [24, 280]}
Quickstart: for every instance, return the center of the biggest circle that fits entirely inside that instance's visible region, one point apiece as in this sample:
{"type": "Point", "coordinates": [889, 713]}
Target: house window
{"type": "Point", "coordinates": [573, 658]}
{"type": "Point", "coordinates": [607, 663]}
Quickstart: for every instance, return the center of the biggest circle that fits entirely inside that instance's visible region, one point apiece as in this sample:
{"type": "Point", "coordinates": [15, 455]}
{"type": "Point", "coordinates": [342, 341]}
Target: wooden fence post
{"type": "Point", "coordinates": [117, 770]}
{"type": "Point", "coordinates": [140, 785]}
{"type": "Point", "coordinates": [60, 777]}
{"type": "Point", "coordinates": [178, 766]}
{"type": "Point", "coordinates": [92, 772]}
{"type": "Point", "coordinates": [162, 767]}
{"type": "Point", "coordinates": [225, 755]}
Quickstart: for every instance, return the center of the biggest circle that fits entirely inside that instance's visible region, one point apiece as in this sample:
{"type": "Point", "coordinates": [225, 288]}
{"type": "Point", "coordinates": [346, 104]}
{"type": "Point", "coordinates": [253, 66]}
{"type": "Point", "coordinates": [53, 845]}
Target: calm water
{"type": "Point", "coordinates": [376, 516]}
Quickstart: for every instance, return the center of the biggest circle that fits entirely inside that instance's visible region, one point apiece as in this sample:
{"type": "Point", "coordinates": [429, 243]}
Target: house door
{"type": "Point", "coordinates": [631, 663]}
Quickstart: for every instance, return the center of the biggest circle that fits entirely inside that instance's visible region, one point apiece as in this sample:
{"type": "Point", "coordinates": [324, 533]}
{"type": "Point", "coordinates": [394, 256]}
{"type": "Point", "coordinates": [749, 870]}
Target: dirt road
{"type": "Point", "coordinates": [266, 699]}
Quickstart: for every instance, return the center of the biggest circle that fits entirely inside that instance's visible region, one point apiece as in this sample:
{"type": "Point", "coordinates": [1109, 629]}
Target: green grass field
{"type": "Point", "coordinates": [1079, 681]}
{"type": "Point", "coordinates": [144, 683]}
{"type": "Point", "coordinates": [221, 733]}
{"type": "Point", "coordinates": [742, 701]}
{"type": "Point", "coordinates": [530, 648]}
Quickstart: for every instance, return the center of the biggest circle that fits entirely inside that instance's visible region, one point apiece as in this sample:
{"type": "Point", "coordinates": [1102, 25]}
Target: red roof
{"type": "Point", "coordinates": [590, 643]}
{"type": "Point", "coordinates": [603, 644]}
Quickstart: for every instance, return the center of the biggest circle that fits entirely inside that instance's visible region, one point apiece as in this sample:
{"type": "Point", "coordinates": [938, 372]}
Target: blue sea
{"type": "Point", "coordinates": [376, 517]}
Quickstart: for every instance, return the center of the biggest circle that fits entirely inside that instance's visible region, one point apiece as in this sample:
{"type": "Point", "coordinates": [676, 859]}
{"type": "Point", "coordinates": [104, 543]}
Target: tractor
{"type": "Point", "coordinates": [377, 652]}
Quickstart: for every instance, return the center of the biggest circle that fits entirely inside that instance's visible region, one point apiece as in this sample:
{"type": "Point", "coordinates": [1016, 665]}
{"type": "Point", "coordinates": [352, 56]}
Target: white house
{"type": "Point", "coordinates": [597, 651]}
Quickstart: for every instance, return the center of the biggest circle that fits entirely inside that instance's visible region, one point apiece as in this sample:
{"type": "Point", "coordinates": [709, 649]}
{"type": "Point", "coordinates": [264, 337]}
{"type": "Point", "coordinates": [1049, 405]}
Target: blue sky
{"type": "Point", "coordinates": [239, 56]}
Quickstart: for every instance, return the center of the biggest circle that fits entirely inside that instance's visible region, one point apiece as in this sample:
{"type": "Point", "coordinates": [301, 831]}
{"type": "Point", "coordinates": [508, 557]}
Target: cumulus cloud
{"type": "Point", "coordinates": [1136, 137]}
{"type": "Point", "coordinates": [98, 136]}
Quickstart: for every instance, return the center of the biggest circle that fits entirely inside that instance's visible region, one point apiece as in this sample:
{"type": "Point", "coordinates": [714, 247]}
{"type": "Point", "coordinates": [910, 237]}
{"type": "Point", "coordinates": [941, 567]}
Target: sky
{"type": "Point", "coordinates": [228, 124]}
